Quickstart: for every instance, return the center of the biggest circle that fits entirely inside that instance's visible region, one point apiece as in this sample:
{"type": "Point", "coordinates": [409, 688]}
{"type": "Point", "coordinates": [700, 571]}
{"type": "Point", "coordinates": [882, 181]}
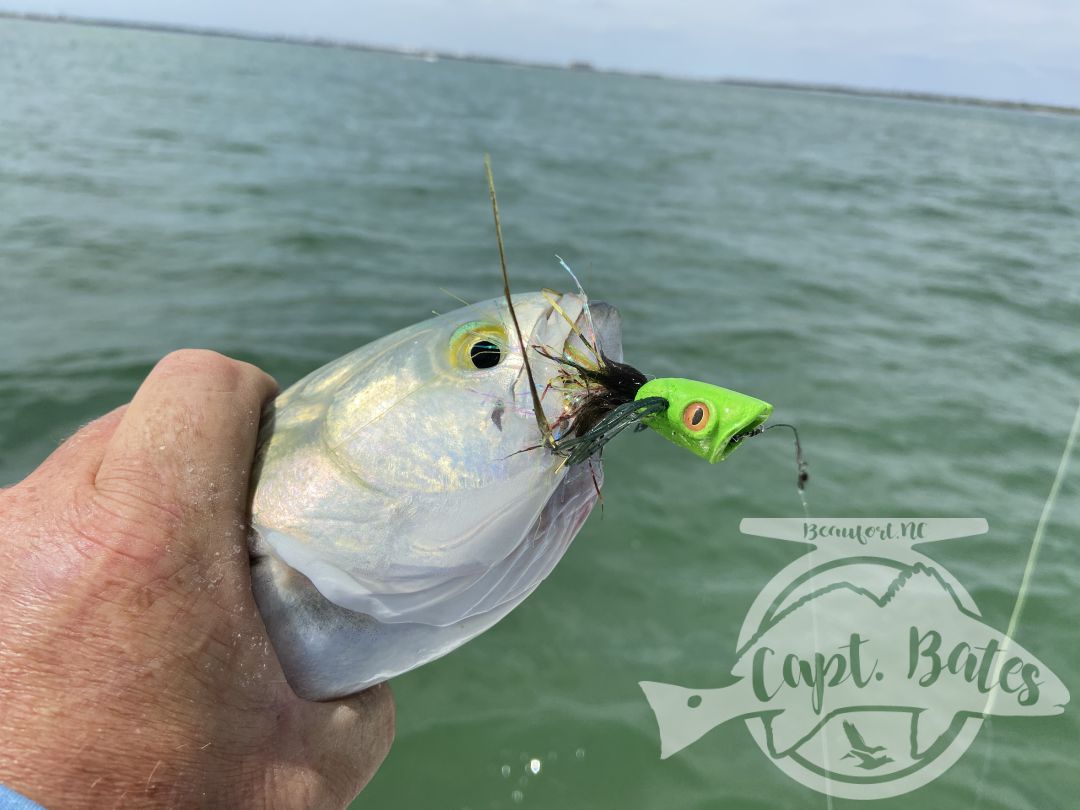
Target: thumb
{"type": "Point", "coordinates": [179, 461]}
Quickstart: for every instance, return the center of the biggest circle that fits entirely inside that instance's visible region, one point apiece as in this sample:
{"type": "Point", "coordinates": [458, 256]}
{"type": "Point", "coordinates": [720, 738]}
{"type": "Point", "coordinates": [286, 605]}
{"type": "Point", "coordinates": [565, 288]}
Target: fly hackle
{"type": "Point", "coordinates": [582, 447]}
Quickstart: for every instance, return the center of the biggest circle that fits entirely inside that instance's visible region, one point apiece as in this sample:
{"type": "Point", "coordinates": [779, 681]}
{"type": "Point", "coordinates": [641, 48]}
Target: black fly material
{"type": "Point", "coordinates": [581, 447]}
{"type": "Point", "coordinates": [606, 406]}
{"type": "Point", "coordinates": [607, 387]}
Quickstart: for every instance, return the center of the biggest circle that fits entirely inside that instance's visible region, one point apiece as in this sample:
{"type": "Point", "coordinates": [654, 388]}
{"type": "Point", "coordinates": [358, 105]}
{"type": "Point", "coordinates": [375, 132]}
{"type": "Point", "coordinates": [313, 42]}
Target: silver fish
{"type": "Point", "coordinates": [395, 514]}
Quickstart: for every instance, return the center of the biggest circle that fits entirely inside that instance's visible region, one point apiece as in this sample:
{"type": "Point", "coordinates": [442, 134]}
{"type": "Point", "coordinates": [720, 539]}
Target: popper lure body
{"type": "Point", "coordinates": [707, 420]}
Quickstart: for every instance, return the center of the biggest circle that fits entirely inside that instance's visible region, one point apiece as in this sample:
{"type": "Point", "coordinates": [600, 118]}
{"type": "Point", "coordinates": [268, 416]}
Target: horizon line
{"type": "Point", "coordinates": [574, 65]}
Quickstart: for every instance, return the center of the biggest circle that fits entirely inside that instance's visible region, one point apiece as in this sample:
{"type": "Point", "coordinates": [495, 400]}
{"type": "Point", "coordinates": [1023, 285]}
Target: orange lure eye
{"type": "Point", "coordinates": [696, 416]}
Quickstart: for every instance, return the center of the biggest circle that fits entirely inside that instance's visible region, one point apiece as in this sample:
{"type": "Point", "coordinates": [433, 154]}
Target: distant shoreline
{"type": "Point", "coordinates": [760, 84]}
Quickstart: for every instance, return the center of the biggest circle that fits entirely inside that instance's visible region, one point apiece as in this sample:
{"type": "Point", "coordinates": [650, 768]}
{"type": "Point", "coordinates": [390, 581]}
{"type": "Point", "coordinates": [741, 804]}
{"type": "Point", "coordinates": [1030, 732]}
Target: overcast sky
{"type": "Point", "coordinates": [1007, 49]}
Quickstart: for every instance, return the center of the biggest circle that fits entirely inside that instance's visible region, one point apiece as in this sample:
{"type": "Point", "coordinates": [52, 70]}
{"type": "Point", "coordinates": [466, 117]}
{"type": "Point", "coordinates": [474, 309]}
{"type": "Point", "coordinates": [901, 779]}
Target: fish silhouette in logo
{"type": "Point", "coordinates": [844, 648]}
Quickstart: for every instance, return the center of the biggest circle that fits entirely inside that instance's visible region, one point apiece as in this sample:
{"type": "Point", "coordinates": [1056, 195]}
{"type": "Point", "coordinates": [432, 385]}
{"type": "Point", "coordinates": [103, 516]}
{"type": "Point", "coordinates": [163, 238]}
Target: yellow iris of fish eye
{"type": "Point", "coordinates": [467, 337]}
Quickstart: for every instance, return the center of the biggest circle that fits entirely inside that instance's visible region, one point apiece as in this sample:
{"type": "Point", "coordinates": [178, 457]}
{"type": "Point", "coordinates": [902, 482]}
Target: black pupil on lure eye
{"type": "Point", "coordinates": [485, 354]}
{"type": "Point", "coordinates": [699, 414]}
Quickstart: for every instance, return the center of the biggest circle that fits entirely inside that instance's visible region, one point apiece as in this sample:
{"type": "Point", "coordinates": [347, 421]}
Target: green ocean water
{"type": "Point", "coordinates": [901, 279]}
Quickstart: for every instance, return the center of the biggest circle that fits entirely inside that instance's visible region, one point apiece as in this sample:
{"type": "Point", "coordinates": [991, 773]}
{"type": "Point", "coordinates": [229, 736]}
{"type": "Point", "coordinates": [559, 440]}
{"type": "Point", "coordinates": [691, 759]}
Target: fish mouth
{"type": "Point", "coordinates": [745, 428]}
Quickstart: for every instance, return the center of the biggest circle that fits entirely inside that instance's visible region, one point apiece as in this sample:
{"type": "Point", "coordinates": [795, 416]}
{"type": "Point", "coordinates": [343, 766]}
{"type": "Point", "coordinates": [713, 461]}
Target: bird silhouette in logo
{"type": "Point", "coordinates": [866, 754]}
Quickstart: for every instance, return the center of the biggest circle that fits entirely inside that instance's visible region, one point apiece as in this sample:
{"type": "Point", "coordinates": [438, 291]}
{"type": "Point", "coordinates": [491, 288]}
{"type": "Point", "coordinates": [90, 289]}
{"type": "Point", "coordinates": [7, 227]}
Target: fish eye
{"type": "Point", "coordinates": [695, 416]}
{"type": "Point", "coordinates": [485, 354]}
{"type": "Point", "coordinates": [478, 346]}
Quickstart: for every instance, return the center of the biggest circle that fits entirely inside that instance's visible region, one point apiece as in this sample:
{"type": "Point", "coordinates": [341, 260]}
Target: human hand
{"type": "Point", "coordinates": [134, 666]}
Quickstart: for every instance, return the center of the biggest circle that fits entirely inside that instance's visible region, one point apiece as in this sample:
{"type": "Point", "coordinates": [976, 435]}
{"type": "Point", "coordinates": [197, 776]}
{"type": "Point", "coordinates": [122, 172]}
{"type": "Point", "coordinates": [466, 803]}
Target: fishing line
{"type": "Point", "coordinates": [801, 478]}
{"type": "Point", "coordinates": [1025, 580]}
{"type": "Point", "coordinates": [1070, 441]}
{"type": "Point", "coordinates": [1051, 498]}
{"type": "Point", "coordinates": [454, 296]}
{"type": "Point", "coordinates": [1052, 185]}
{"type": "Point", "coordinates": [1036, 543]}
{"type": "Point", "coordinates": [802, 469]}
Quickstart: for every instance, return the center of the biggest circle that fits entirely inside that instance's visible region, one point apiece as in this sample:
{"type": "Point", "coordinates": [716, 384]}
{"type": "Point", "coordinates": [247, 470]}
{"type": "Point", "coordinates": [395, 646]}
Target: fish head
{"type": "Point", "coordinates": [409, 482]}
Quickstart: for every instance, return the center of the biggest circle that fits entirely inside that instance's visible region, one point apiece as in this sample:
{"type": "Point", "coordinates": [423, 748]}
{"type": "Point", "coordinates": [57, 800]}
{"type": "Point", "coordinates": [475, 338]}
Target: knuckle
{"type": "Point", "coordinates": [214, 372]}
{"type": "Point", "coordinates": [202, 367]}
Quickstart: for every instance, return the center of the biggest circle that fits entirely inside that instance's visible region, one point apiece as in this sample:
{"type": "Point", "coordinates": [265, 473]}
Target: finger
{"type": "Point", "coordinates": [183, 450]}
{"type": "Point", "coordinates": [79, 456]}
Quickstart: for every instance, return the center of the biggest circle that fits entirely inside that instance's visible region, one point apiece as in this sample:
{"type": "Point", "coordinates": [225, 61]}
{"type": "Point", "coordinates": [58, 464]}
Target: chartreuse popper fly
{"type": "Point", "coordinates": [605, 396]}
{"type": "Point", "coordinates": [707, 420]}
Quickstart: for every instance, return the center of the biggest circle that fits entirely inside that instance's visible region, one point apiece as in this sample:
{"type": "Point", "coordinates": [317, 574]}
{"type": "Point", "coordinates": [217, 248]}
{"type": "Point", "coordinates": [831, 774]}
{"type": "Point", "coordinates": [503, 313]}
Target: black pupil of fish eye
{"type": "Point", "coordinates": [485, 354]}
{"type": "Point", "coordinates": [699, 414]}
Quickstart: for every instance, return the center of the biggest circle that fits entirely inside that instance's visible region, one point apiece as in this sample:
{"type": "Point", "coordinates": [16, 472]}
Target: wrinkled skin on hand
{"type": "Point", "coordinates": [134, 668]}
